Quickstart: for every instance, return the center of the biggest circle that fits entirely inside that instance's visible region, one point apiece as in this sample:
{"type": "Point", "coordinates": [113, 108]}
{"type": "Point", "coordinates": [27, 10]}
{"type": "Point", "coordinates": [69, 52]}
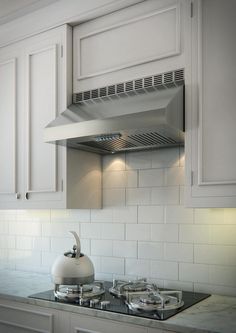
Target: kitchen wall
{"type": "Point", "coordinates": [143, 229]}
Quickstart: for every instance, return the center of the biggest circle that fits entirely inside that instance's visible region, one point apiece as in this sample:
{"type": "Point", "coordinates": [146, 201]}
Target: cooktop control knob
{"type": "Point", "coordinates": [105, 304]}
{"type": "Point", "coordinates": [93, 302]}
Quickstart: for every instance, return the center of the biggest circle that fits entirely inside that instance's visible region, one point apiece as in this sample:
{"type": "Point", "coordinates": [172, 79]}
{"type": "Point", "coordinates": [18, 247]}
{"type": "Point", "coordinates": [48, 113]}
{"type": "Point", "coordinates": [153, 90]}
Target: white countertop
{"type": "Point", "coordinates": [216, 314]}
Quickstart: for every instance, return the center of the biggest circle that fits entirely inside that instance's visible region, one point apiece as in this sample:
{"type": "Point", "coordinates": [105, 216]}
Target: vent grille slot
{"type": "Point", "coordinates": [95, 93]}
{"type": "Point", "coordinates": [138, 84]}
{"type": "Point", "coordinates": [129, 86]}
{"type": "Point", "coordinates": [112, 90]}
{"type": "Point", "coordinates": [148, 82]}
{"type": "Point", "coordinates": [151, 139]}
{"type": "Point", "coordinates": [120, 88]}
{"type": "Point", "coordinates": [159, 81]}
{"type": "Point", "coordinates": [103, 92]}
{"type": "Point", "coordinates": [114, 145]}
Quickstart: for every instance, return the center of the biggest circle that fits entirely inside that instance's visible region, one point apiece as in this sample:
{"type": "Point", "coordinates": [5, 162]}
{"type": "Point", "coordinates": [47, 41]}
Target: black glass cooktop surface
{"type": "Point", "coordinates": [117, 305]}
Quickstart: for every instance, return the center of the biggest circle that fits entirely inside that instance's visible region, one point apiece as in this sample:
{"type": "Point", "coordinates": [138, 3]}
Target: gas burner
{"type": "Point", "coordinates": [79, 293]}
{"type": "Point", "coordinates": [121, 288]}
{"type": "Point", "coordinates": [154, 301]}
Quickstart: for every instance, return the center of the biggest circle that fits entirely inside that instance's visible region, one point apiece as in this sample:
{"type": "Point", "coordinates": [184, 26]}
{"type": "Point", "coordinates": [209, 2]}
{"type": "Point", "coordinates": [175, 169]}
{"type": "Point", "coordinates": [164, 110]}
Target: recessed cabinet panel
{"type": "Point", "coordinates": [8, 127]}
{"type": "Point", "coordinates": [211, 100]}
{"type": "Point", "coordinates": [13, 319]}
{"type": "Point", "coordinates": [140, 40]}
{"type": "Point", "coordinates": [143, 39]}
{"type": "Point", "coordinates": [218, 98]}
{"type": "Point", "coordinates": [42, 108]}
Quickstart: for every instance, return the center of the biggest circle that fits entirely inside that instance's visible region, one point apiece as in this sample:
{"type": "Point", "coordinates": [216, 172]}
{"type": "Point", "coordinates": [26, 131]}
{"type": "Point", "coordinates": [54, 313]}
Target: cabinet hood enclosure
{"type": "Point", "coordinates": [135, 115]}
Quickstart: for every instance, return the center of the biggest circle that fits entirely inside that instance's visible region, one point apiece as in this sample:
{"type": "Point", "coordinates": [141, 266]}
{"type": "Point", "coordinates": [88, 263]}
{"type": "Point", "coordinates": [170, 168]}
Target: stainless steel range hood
{"type": "Point", "coordinates": [136, 115]}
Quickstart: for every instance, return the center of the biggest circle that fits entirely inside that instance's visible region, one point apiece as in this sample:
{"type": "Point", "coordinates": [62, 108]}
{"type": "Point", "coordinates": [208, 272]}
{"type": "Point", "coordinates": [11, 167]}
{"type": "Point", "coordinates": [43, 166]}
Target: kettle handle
{"type": "Point", "coordinates": [77, 243]}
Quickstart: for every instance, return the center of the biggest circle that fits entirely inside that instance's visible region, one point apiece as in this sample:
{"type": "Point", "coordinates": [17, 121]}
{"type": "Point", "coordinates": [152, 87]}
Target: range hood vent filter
{"type": "Point", "coordinates": [138, 86]}
{"type": "Point", "coordinates": [145, 113]}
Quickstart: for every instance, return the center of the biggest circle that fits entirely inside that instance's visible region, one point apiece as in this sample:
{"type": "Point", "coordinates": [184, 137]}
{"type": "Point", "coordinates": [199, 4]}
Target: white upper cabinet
{"type": "Point", "coordinates": [211, 100]}
{"type": "Point", "coordinates": [144, 39]}
{"type": "Point", "coordinates": [36, 80]}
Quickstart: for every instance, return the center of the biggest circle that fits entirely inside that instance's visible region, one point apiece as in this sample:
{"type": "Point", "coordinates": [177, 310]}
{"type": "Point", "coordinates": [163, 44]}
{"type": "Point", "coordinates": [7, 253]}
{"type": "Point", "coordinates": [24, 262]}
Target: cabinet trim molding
{"type": "Point", "coordinates": [200, 180]}
{"type": "Point", "coordinates": [53, 48]}
{"type": "Point", "coordinates": [174, 52]}
{"type": "Point", "coordinates": [14, 175]}
{"type": "Point", "coordinates": [28, 328]}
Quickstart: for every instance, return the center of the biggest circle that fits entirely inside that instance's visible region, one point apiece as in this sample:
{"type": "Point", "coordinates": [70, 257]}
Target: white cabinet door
{"type": "Point", "coordinates": [45, 97]}
{"type": "Point", "coordinates": [140, 40]}
{"type": "Point", "coordinates": [210, 153]}
{"type": "Point", "coordinates": [35, 86]}
{"type": "Point", "coordinates": [33, 90]}
{"type": "Point", "coordinates": [18, 317]}
{"type": "Point", "coordinates": [10, 113]}
{"type": "Point", "coordinates": [87, 324]}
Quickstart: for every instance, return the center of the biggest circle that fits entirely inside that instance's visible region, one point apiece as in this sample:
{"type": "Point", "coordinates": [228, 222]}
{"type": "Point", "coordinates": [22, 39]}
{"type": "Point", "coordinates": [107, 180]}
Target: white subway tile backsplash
{"type": "Point", "coordinates": [25, 257]}
{"type": "Point", "coordinates": [150, 214]}
{"type": "Point", "coordinates": [60, 230]}
{"type": "Point", "coordinates": [4, 227]}
{"type": "Point", "coordinates": [25, 228]}
{"type": "Point", "coordinates": [151, 177]}
{"type": "Point", "coordinates": [178, 285]}
{"type": "Point", "coordinates": [113, 231]}
{"type": "Point", "coordinates": [194, 272]}
{"type": "Point", "coordinates": [114, 179]}
{"type": "Point", "coordinates": [174, 176]}
{"type": "Point", "coordinates": [138, 196]}
{"type": "Point", "coordinates": [222, 275]}
{"type": "Point", "coordinates": [113, 162]}
{"type": "Point", "coordinates": [137, 267]}
{"type": "Point", "coordinates": [91, 230]}
{"type": "Point", "coordinates": [48, 258]}
{"type": "Point", "coordinates": [209, 216]}
{"type": "Point", "coordinates": [178, 214]}
{"type": "Point", "coordinates": [102, 215]}
{"type": "Point", "coordinates": [114, 265]}
{"type": "Point", "coordinates": [7, 242]}
{"type": "Point", "coordinates": [150, 250]}
{"type": "Point", "coordinates": [33, 215]}
{"type": "Point", "coordinates": [143, 230]}
{"type": "Point", "coordinates": [223, 234]}
{"type": "Point", "coordinates": [125, 249]}
{"type": "Point", "coordinates": [230, 216]}
{"type": "Point", "coordinates": [178, 252]}
{"type": "Point", "coordinates": [165, 195]}
{"type": "Point", "coordinates": [164, 158]}
{"type": "Point", "coordinates": [61, 244]}
{"type": "Point", "coordinates": [164, 232]}
{"type": "Point", "coordinates": [120, 179]}
{"type": "Point", "coordinates": [126, 214]}
{"type": "Point", "coordinates": [139, 160]}
{"type": "Point", "coordinates": [24, 243]}
{"type": "Point", "coordinates": [70, 215]}
{"type": "Point", "coordinates": [113, 197]}
{"type": "Point", "coordinates": [192, 233]}
{"type": "Point", "coordinates": [164, 270]}
{"type": "Point", "coordinates": [214, 289]}
{"type": "Point", "coordinates": [101, 247]}
{"type": "Point", "coordinates": [138, 232]}
{"type": "Point", "coordinates": [215, 254]}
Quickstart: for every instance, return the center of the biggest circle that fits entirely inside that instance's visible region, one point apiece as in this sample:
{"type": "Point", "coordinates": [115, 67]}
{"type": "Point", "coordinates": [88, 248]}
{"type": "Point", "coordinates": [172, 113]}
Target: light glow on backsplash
{"type": "Point", "coordinates": [142, 230]}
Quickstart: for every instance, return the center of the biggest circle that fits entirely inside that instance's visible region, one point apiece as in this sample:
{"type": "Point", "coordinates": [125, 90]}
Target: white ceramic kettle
{"type": "Point", "coordinates": [73, 267]}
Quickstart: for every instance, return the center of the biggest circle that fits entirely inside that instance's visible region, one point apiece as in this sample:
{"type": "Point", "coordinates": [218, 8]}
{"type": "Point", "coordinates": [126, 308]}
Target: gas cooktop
{"type": "Point", "coordinates": [110, 301]}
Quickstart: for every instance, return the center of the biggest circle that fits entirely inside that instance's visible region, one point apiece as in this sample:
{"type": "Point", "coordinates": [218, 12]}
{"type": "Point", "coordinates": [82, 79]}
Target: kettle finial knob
{"type": "Point", "coordinates": [77, 246]}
